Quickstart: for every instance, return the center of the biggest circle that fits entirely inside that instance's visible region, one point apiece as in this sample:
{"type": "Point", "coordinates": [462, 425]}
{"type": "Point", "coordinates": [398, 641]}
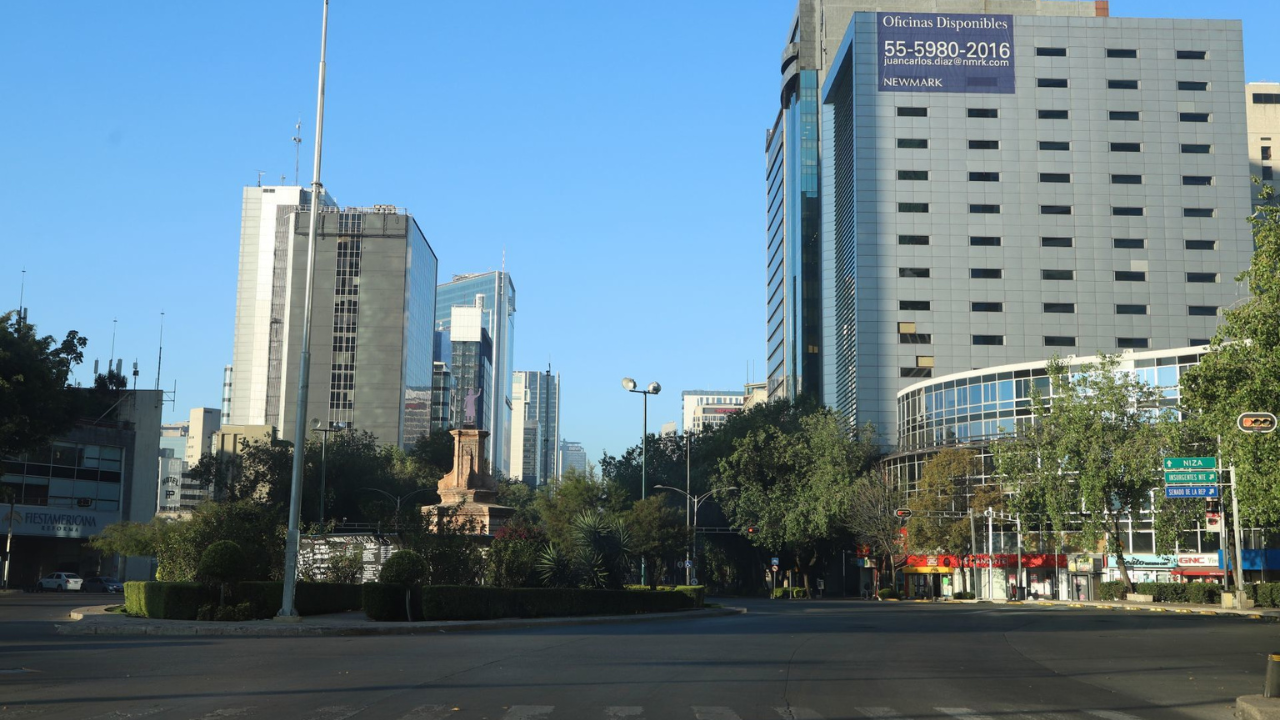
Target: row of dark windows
{"type": "Point", "coordinates": [1122, 211]}
{"type": "Point", "coordinates": [1116, 179]}
{"type": "Point", "coordinates": [1117, 115]}
{"type": "Point", "coordinates": [998, 274]}
{"type": "Point", "coordinates": [1054, 308]}
{"type": "Point", "coordinates": [1058, 146]}
{"type": "Point", "coordinates": [1059, 242]}
{"type": "Point", "coordinates": [1124, 53]}
{"type": "Point", "coordinates": [1127, 343]}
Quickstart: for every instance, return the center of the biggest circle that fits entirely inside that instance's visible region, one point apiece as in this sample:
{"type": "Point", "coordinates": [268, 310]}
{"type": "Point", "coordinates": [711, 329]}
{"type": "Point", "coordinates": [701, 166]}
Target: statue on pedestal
{"type": "Point", "coordinates": [468, 487]}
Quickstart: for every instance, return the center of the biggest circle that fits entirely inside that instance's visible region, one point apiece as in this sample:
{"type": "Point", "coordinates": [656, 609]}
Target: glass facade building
{"type": "Point", "coordinates": [535, 427]}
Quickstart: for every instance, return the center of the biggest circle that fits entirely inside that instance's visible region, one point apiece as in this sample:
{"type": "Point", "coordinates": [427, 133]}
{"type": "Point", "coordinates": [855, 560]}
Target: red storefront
{"type": "Point", "coordinates": [936, 575]}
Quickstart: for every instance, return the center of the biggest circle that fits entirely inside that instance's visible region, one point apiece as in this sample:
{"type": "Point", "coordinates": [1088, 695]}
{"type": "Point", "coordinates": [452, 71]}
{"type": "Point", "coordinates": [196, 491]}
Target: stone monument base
{"type": "Point", "coordinates": [485, 518]}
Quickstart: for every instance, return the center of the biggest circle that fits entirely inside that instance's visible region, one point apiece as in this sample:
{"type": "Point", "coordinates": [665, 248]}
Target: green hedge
{"type": "Point", "coordinates": [789, 592]}
{"type": "Point", "coordinates": [1204, 593]}
{"type": "Point", "coordinates": [963, 595]}
{"type": "Point", "coordinates": [1113, 590]}
{"type": "Point", "coordinates": [697, 593]}
{"type": "Point", "coordinates": [1265, 594]}
{"type": "Point", "coordinates": [385, 601]}
{"type": "Point", "coordinates": [454, 602]}
{"type": "Point", "coordinates": [167, 600]}
{"type": "Point", "coordinates": [1196, 592]}
{"type": "Point", "coordinates": [182, 601]}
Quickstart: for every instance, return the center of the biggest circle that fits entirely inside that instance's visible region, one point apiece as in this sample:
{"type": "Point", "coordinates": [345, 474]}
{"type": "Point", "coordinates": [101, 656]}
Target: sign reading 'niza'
{"type": "Point", "coordinates": [1190, 463]}
{"type": "Point", "coordinates": [941, 52]}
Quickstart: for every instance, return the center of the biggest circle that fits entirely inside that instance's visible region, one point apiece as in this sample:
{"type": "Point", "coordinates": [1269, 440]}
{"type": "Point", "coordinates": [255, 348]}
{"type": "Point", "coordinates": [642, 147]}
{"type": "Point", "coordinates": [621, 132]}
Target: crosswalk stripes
{"type": "Point", "coordinates": [225, 713]}
{"type": "Point", "coordinates": [965, 713]}
{"type": "Point", "coordinates": [427, 712]}
{"type": "Point", "coordinates": [878, 712]}
{"type": "Point", "coordinates": [619, 712]}
{"type": "Point", "coordinates": [334, 712]}
{"type": "Point", "coordinates": [528, 712]}
{"type": "Point", "coordinates": [797, 713]}
{"type": "Point", "coordinates": [705, 712]}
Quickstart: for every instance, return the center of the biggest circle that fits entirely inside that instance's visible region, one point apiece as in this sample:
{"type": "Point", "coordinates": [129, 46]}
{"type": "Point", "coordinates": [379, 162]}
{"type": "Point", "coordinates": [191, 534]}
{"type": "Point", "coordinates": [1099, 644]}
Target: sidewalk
{"type": "Point", "coordinates": [1255, 613]}
{"type": "Point", "coordinates": [95, 620]}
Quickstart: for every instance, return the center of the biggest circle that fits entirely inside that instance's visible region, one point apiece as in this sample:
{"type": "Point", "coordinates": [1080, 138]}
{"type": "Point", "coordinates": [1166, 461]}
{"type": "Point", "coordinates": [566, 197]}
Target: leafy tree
{"type": "Point", "coordinates": [35, 401]}
{"type": "Point", "coordinates": [346, 566]}
{"type": "Point", "coordinates": [598, 554]}
{"type": "Point", "coordinates": [523, 499]}
{"type": "Point", "coordinates": [1239, 374]}
{"type": "Point", "coordinates": [558, 504]}
{"type": "Point", "coordinates": [221, 564]}
{"type": "Point", "coordinates": [1091, 457]}
{"type": "Point", "coordinates": [432, 456]}
{"type": "Point", "coordinates": [262, 472]}
{"type": "Point", "coordinates": [872, 522]}
{"type": "Point", "coordinates": [111, 381]}
{"type": "Point", "coordinates": [407, 569]}
{"type": "Point", "coordinates": [445, 539]}
{"type": "Point", "coordinates": [947, 493]}
{"type": "Point", "coordinates": [658, 534]}
{"type": "Point", "coordinates": [513, 555]}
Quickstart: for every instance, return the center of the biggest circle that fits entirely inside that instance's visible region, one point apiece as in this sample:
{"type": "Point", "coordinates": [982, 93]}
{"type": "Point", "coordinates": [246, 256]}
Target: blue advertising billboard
{"type": "Point", "coordinates": [937, 52]}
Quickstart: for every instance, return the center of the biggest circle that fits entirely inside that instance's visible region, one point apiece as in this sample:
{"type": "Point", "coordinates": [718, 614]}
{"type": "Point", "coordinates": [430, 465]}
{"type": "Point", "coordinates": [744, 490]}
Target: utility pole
{"type": "Point", "coordinates": [973, 554]}
{"type": "Point", "coordinates": [1239, 537]}
{"type": "Point", "coordinates": [688, 498]}
{"type": "Point", "coordinates": [991, 556]}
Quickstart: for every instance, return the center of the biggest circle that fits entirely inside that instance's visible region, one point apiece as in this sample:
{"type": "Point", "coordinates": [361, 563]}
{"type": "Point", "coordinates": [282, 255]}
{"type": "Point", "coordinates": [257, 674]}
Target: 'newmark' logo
{"type": "Point", "coordinates": [913, 82]}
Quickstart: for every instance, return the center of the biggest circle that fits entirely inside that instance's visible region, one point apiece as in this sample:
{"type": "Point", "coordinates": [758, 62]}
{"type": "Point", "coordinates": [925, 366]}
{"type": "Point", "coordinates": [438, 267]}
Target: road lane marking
{"type": "Point", "coordinates": [427, 712]}
{"type": "Point", "coordinates": [878, 712]}
{"type": "Point", "coordinates": [797, 713]}
{"type": "Point", "coordinates": [334, 712]}
{"type": "Point", "coordinates": [225, 713]}
{"type": "Point", "coordinates": [1112, 715]}
{"type": "Point", "coordinates": [528, 712]}
{"type": "Point", "coordinates": [713, 712]}
{"type": "Point", "coordinates": [967, 713]}
{"type": "Point", "coordinates": [114, 714]}
{"type": "Point", "coordinates": [624, 711]}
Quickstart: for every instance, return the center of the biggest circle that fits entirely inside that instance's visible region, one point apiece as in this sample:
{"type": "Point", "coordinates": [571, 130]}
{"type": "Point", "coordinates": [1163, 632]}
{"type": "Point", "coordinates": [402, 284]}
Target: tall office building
{"type": "Point", "coordinates": [1001, 188]}
{"type": "Point", "coordinates": [498, 295]}
{"type": "Point", "coordinates": [372, 316]}
{"type": "Point", "coordinates": [572, 456]}
{"type": "Point", "coordinates": [704, 410]}
{"type": "Point", "coordinates": [469, 362]}
{"type": "Point", "coordinates": [535, 427]}
{"type": "Point", "coordinates": [1262, 113]}
{"type": "Point", "coordinates": [441, 397]}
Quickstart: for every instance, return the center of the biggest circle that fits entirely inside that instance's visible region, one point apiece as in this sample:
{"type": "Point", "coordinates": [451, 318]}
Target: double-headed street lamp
{"type": "Point", "coordinates": [324, 441]}
{"type": "Point", "coordinates": [653, 389]}
{"type": "Point", "coordinates": [696, 500]}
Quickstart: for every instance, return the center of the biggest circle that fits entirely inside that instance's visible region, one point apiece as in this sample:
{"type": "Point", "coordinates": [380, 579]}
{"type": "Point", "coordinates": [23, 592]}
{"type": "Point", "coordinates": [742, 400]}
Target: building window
{"type": "Point", "coordinates": [1126, 179]}
{"type": "Point", "coordinates": [913, 239]}
{"type": "Point", "coordinates": [1122, 84]}
{"type": "Point", "coordinates": [1057, 274]}
{"type": "Point", "coordinates": [1051, 82]}
{"type": "Point", "coordinates": [1198, 341]}
{"type": "Point", "coordinates": [1266, 98]}
{"type": "Point", "coordinates": [1060, 308]}
{"type": "Point", "coordinates": [1130, 276]}
{"type": "Point", "coordinates": [1127, 211]}
{"type": "Point", "coordinates": [1051, 52]}
{"type": "Point", "coordinates": [1052, 114]}
{"type": "Point", "coordinates": [1191, 54]}
{"type": "Point", "coordinates": [915, 339]}
{"type": "Point", "coordinates": [1197, 180]}
{"type": "Point", "coordinates": [1055, 209]}
{"type": "Point", "coordinates": [1056, 242]}
{"type": "Point", "coordinates": [984, 113]}
{"type": "Point", "coordinates": [984, 177]}
{"type": "Point", "coordinates": [1198, 212]}
{"type": "Point", "coordinates": [984, 241]}
{"type": "Point", "coordinates": [1202, 310]}
{"type": "Point", "coordinates": [1121, 53]}
{"type": "Point", "coordinates": [913, 112]}
{"type": "Point", "coordinates": [1056, 145]}
{"type": "Point", "coordinates": [1201, 244]}
{"type": "Point", "coordinates": [908, 272]}
{"type": "Point", "coordinates": [1193, 117]}
{"type": "Point", "coordinates": [984, 144]}
{"type": "Point", "coordinates": [915, 372]}
{"type": "Point", "coordinates": [913, 174]}
{"type": "Point", "coordinates": [1130, 343]}
{"type": "Point", "coordinates": [1124, 115]}
{"type": "Point", "coordinates": [1202, 277]}
{"type": "Point", "coordinates": [988, 339]}
{"type": "Point", "coordinates": [1196, 149]}
{"type": "Point", "coordinates": [1131, 309]}
{"type": "Point", "coordinates": [913, 143]}
{"type": "Point", "coordinates": [1193, 85]}
{"type": "Point", "coordinates": [1059, 341]}
{"type": "Point", "coordinates": [984, 209]}
{"type": "Point", "coordinates": [1266, 152]}
{"type": "Point", "coordinates": [1126, 147]}
{"type": "Point", "coordinates": [1055, 177]}
{"type": "Point", "coordinates": [913, 305]}
{"type": "Point", "coordinates": [985, 273]}
{"type": "Point", "coordinates": [906, 207]}
{"type": "Point", "coordinates": [986, 307]}
{"type": "Point", "coordinates": [1266, 173]}
{"type": "Point", "coordinates": [1128, 243]}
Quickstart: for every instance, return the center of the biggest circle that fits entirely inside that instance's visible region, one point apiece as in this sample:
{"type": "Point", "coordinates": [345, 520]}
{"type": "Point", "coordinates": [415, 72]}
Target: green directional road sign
{"type": "Point", "coordinates": [1203, 477]}
{"type": "Point", "coordinates": [1197, 463]}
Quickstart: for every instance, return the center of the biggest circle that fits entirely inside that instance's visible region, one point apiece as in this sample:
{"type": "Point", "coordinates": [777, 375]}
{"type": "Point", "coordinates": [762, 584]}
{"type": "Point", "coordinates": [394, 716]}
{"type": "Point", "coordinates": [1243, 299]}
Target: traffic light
{"type": "Point", "coordinates": [752, 530]}
{"type": "Point", "coordinates": [903, 513]}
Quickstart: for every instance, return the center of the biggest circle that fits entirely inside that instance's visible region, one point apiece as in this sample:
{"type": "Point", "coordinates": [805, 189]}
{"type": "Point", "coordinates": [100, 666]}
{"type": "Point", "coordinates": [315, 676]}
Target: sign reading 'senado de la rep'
{"type": "Point", "coordinates": [937, 52]}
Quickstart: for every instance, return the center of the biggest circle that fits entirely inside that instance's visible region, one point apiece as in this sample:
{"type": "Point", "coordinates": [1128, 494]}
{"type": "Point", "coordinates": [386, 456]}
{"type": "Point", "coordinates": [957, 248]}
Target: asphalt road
{"type": "Point", "coordinates": [790, 660]}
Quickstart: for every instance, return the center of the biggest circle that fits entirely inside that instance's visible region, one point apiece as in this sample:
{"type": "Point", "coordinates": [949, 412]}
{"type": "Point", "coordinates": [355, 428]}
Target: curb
{"type": "Point", "coordinates": [1253, 614]}
{"type": "Point", "coordinates": [1257, 707]}
{"type": "Point", "coordinates": [88, 623]}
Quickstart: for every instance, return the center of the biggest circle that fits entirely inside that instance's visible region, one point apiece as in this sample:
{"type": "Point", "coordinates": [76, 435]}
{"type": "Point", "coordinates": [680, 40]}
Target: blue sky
{"type": "Point", "coordinates": [614, 152]}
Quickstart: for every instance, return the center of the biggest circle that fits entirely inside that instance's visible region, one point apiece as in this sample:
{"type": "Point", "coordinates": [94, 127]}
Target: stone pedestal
{"type": "Point", "coordinates": [468, 491]}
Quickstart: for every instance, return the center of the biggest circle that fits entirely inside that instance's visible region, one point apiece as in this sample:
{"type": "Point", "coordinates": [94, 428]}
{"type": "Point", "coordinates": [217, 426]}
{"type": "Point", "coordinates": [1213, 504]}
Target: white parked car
{"type": "Point", "coordinates": [60, 581]}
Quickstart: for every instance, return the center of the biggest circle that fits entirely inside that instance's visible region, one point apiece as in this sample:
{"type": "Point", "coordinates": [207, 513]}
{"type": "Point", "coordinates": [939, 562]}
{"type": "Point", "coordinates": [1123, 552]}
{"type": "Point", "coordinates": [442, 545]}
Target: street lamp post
{"type": "Point", "coordinates": [696, 501]}
{"type": "Point", "coordinates": [324, 441]}
{"type": "Point", "coordinates": [653, 389]}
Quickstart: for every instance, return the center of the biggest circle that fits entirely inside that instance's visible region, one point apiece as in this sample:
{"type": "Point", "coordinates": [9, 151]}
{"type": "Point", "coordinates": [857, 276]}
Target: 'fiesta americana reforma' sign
{"type": "Point", "coordinates": [941, 52]}
{"type": "Point", "coordinates": [56, 522]}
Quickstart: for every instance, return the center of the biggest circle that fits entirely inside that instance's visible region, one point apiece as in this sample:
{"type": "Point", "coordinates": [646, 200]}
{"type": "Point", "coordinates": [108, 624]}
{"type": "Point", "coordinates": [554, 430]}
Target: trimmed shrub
{"type": "Point", "coordinates": [165, 600]}
{"type": "Point", "coordinates": [309, 598]}
{"type": "Point", "coordinates": [1266, 594]}
{"type": "Point", "coordinates": [1164, 592]}
{"type": "Point", "coordinates": [1204, 593]}
{"type": "Point", "coordinates": [459, 602]}
{"type": "Point", "coordinates": [384, 601]}
{"type": "Point", "coordinates": [405, 568]}
{"type": "Point", "coordinates": [1114, 590]}
{"type": "Point", "coordinates": [221, 564]}
{"type": "Point", "coordinates": [888, 594]}
{"type": "Point", "coordinates": [963, 595]}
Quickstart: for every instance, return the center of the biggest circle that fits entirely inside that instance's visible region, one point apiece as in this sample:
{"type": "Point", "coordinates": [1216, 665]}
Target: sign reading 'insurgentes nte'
{"type": "Point", "coordinates": [935, 52]}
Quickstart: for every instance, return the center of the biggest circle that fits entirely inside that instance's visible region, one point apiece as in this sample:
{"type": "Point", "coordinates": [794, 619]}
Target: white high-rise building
{"type": "Point", "coordinates": [708, 409]}
{"type": "Point", "coordinates": [1262, 114]}
{"type": "Point", "coordinates": [535, 427]}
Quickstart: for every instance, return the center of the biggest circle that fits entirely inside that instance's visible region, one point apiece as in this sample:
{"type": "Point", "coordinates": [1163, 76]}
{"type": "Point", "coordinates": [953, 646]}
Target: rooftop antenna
{"type": "Point", "coordinates": [260, 174]}
{"type": "Point", "coordinates": [297, 148]}
{"type": "Point", "coordinates": [112, 358]}
{"type": "Point", "coordinates": [160, 357]}
{"type": "Point", "coordinates": [135, 374]}
{"type": "Point", "coordinates": [22, 294]}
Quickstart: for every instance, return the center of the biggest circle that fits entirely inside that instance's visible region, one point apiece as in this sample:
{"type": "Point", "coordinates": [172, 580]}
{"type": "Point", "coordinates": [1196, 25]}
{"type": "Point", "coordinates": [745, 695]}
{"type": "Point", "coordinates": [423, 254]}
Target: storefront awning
{"type": "Point", "coordinates": [1199, 572]}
